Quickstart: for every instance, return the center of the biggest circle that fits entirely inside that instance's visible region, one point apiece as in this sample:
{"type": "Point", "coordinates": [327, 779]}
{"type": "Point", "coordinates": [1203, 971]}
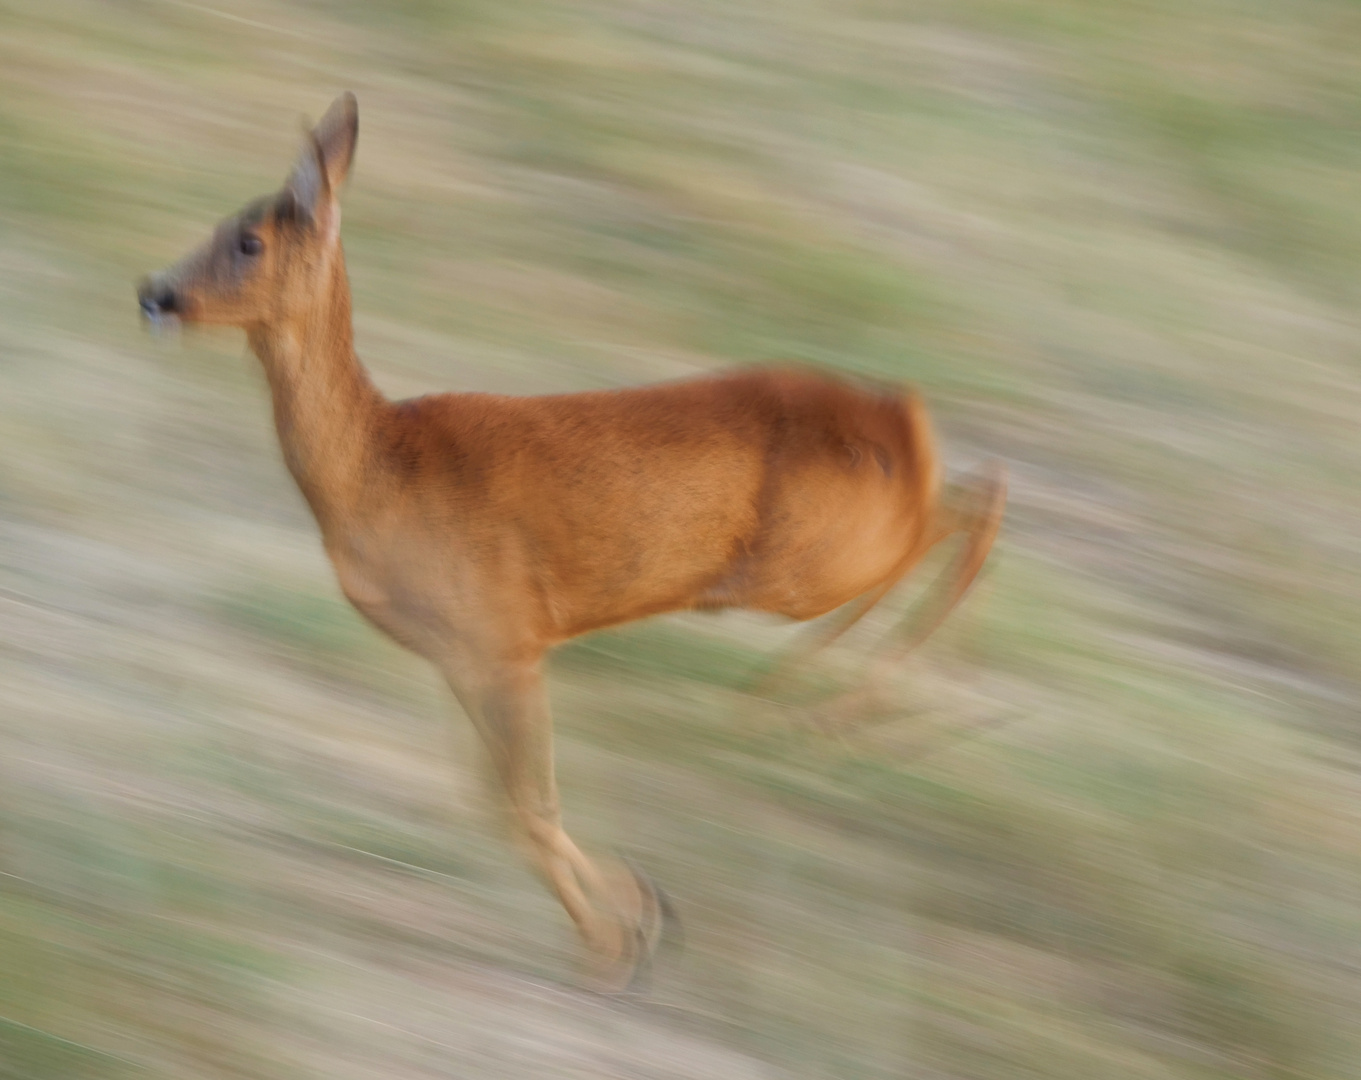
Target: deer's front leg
{"type": "Point", "coordinates": [616, 914]}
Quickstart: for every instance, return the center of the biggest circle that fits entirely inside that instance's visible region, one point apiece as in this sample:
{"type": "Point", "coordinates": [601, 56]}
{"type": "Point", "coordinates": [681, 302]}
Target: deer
{"type": "Point", "coordinates": [480, 530]}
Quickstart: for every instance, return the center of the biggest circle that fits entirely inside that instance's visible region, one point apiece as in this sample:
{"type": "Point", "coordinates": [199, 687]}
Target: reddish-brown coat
{"type": "Point", "coordinates": [780, 490]}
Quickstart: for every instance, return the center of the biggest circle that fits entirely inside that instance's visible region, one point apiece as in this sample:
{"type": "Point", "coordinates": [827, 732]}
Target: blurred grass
{"type": "Point", "coordinates": [1109, 827]}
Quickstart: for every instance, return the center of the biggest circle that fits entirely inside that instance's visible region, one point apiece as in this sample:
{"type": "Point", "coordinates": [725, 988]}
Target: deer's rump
{"type": "Point", "coordinates": [781, 490]}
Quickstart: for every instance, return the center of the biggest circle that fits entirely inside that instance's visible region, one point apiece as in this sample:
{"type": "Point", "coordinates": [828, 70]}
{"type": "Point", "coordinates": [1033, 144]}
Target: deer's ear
{"type": "Point", "coordinates": [336, 133]}
{"type": "Point", "coordinates": [309, 192]}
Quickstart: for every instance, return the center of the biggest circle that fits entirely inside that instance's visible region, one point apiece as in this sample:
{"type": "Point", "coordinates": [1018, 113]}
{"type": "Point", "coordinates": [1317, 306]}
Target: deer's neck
{"type": "Point", "coordinates": [326, 409]}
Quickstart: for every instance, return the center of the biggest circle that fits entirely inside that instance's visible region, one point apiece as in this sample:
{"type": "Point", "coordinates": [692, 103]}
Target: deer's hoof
{"type": "Point", "coordinates": [651, 925]}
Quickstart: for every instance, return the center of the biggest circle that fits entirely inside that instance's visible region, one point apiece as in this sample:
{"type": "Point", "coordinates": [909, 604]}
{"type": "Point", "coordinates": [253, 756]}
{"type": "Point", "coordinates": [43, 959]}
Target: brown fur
{"type": "Point", "coordinates": [481, 530]}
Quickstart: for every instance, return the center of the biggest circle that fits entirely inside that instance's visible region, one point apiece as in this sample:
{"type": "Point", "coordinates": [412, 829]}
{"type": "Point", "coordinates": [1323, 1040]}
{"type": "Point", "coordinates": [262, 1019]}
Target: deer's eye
{"type": "Point", "coordinates": [250, 244]}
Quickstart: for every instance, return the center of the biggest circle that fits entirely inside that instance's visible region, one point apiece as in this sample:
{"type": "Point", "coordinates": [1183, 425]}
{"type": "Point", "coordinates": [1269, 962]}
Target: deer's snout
{"type": "Point", "coordinates": [157, 299]}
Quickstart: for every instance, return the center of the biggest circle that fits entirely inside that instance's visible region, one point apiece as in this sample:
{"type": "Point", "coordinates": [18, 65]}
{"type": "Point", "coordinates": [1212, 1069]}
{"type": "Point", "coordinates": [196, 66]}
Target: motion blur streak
{"type": "Point", "coordinates": [1107, 824]}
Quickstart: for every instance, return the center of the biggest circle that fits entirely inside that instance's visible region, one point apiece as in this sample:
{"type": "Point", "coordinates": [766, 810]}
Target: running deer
{"type": "Point", "coordinates": [480, 530]}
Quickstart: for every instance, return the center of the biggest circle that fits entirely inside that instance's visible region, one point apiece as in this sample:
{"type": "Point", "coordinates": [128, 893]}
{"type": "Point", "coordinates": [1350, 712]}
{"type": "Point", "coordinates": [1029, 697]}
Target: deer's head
{"type": "Point", "coordinates": [265, 265]}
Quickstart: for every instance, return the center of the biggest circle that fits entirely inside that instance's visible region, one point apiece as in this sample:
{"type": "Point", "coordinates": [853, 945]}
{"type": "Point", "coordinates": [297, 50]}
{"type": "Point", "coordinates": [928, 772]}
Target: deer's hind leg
{"type": "Point", "coordinates": [973, 507]}
{"type": "Point", "coordinates": [614, 910]}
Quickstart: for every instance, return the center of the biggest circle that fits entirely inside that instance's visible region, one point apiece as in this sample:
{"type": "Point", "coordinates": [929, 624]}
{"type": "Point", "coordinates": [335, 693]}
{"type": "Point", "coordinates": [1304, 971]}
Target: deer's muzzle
{"type": "Point", "coordinates": [158, 301]}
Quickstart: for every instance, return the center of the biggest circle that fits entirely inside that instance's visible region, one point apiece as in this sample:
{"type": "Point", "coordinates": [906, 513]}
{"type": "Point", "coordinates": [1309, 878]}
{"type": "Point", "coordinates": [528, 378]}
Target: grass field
{"type": "Point", "coordinates": [1109, 825]}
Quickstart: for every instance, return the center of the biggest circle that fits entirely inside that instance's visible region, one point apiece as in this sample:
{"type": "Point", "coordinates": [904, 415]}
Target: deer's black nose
{"type": "Point", "coordinates": [156, 299]}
